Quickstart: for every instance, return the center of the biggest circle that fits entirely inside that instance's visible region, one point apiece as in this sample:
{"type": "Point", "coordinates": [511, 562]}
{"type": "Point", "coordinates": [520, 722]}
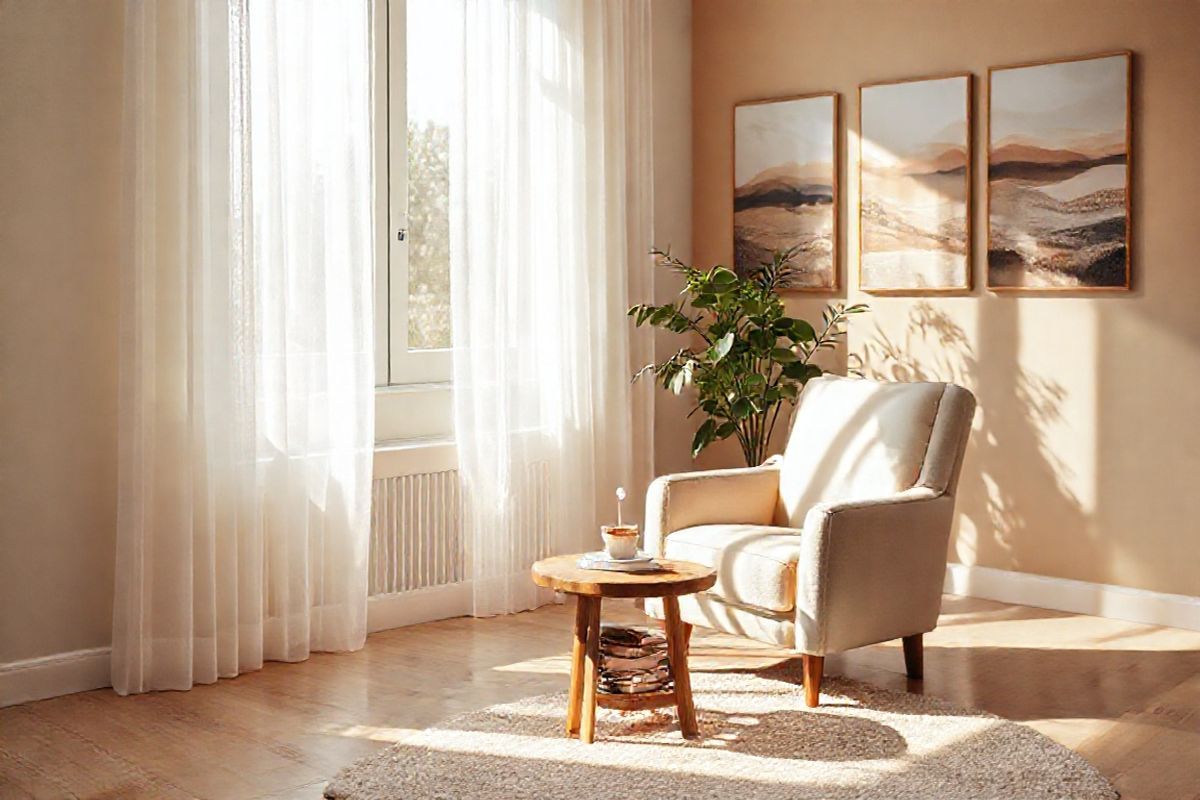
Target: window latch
{"type": "Point", "coordinates": [401, 234]}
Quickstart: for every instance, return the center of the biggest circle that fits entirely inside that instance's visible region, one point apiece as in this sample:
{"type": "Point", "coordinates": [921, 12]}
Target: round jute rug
{"type": "Point", "coordinates": [757, 741]}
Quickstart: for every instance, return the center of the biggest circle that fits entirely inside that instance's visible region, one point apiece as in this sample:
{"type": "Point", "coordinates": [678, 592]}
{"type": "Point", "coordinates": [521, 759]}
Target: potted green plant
{"type": "Point", "coordinates": [750, 357]}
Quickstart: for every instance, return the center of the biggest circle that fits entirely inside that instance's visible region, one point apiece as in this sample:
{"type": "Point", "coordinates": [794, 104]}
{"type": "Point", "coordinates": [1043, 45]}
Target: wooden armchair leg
{"type": "Point", "coordinates": [914, 656]}
{"type": "Point", "coordinates": [813, 667]}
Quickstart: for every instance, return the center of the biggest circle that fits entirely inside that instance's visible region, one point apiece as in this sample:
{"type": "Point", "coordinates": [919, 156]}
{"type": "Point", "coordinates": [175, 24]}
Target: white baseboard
{"type": "Point", "coordinates": [386, 611]}
{"type": "Point", "coordinates": [51, 676]}
{"type": "Point", "coordinates": [1079, 597]}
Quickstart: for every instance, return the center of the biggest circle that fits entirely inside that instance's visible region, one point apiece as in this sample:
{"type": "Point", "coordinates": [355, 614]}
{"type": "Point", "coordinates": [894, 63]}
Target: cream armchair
{"type": "Point", "coordinates": [836, 544]}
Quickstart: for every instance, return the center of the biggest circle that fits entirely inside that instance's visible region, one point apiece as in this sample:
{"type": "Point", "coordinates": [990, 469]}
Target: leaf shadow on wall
{"type": "Point", "coordinates": [1014, 496]}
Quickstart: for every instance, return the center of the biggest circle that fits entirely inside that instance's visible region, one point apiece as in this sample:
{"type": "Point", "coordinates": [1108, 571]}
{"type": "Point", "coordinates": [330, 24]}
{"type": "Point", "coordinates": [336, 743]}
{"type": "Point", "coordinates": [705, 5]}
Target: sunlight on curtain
{"type": "Point", "coordinates": [246, 413]}
{"type": "Point", "coordinates": [550, 217]}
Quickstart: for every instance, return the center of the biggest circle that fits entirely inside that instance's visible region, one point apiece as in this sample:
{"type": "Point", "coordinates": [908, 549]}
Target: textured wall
{"type": "Point", "coordinates": [1087, 443]}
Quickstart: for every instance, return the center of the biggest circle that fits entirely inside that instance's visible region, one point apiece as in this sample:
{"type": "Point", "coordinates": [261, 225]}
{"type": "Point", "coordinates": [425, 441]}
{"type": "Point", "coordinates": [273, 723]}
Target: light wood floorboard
{"type": "Point", "coordinates": [1125, 696]}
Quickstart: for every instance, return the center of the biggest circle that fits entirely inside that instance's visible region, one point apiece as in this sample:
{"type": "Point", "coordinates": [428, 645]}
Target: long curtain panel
{"type": "Point", "coordinates": [246, 387]}
{"type": "Point", "coordinates": [551, 220]}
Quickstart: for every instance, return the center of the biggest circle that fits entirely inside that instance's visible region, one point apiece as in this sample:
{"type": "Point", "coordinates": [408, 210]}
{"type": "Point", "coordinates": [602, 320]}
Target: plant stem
{"type": "Point", "coordinates": [774, 419]}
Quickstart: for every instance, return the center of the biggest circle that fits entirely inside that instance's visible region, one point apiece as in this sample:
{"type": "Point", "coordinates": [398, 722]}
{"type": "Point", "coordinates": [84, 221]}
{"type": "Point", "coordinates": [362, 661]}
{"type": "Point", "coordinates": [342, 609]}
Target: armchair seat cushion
{"type": "Point", "coordinates": [755, 564]}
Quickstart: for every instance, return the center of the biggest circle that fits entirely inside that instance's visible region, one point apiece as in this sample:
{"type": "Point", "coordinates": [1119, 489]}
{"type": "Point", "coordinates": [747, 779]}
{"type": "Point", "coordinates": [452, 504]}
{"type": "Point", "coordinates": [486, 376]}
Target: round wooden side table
{"type": "Point", "coordinates": [590, 586]}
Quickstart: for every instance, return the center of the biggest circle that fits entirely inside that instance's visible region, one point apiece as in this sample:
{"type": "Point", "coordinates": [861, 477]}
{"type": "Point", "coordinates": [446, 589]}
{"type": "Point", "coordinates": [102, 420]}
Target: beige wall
{"type": "Point", "coordinates": [1086, 452]}
{"type": "Point", "coordinates": [672, 67]}
{"type": "Point", "coordinates": [60, 112]}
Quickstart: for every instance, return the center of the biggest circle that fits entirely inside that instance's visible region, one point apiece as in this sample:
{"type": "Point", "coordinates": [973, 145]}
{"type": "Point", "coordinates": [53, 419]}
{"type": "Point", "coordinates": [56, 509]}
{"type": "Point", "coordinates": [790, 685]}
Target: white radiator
{"type": "Point", "coordinates": [417, 537]}
{"type": "Point", "coordinates": [416, 533]}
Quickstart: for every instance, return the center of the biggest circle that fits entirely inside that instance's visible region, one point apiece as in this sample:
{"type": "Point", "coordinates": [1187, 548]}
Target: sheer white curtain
{"type": "Point", "coordinates": [246, 419]}
{"type": "Point", "coordinates": [551, 221]}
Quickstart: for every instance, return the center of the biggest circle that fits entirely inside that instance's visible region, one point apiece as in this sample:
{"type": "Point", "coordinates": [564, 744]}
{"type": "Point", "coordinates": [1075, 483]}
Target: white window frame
{"type": "Point", "coordinates": [412, 386]}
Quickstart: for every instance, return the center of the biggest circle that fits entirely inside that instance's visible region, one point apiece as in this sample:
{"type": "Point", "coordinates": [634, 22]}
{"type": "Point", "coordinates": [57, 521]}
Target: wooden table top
{"type": "Point", "coordinates": [563, 574]}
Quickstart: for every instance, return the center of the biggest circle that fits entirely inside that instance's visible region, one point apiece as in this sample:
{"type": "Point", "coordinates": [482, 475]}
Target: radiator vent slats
{"type": "Point", "coordinates": [417, 539]}
{"type": "Point", "coordinates": [416, 533]}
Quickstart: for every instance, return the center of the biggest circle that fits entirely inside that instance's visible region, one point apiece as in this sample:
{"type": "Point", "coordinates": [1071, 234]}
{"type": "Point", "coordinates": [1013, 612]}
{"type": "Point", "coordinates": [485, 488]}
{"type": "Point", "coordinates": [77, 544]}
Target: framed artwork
{"type": "Point", "coordinates": [1058, 174]}
{"type": "Point", "coordinates": [785, 194]}
{"type": "Point", "coordinates": [914, 211]}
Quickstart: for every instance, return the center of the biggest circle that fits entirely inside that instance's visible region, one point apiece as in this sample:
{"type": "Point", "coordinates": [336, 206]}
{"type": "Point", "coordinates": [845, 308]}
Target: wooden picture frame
{"type": "Point", "coordinates": [936, 160]}
{"type": "Point", "coordinates": [775, 186]}
{"type": "Point", "coordinates": [1080, 257]}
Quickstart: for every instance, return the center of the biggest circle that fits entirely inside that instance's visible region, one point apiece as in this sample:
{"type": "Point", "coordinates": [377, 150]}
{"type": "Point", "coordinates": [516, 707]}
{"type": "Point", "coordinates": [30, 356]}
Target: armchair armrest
{"type": "Point", "coordinates": [871, 570]}
{"type": "Point", "coordinates": [723, 496]}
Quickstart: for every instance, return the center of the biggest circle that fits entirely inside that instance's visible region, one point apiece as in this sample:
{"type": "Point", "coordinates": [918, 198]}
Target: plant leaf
{"type": "Point", "coordinates": [703, 437]}
{"type": "Point", "coordinates": [679, 323]}
{"type": "Point", "coordinates": [783, 355]}
{"type": "Point", "coordinates": [662, 314]}
{"type": "Point", "coordinates": [681, 378]}
{"type": "Point", "coordinates": [722, 280]}
{"type": "Point", "coordinates": [761, 340]}
{"type": "Point", "coordinates": [723, 346]}
{"type": "Point", "coordinates": [802, 331]}
{"type": "Point", "coordinates": [796, 371]}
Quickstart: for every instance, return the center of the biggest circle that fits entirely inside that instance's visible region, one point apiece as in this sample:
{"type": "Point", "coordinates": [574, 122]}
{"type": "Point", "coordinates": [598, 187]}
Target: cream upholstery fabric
{"type": "Point", "coordinates": [756, 564]}
{"type": "Point", "coordinates": [948, 440]}
{"type": "Point", "coordinates": [852, 440]}
{"type": "Point", "coordinates": [674, 502]}
{"type": "Point", "coordinates": [871, 570]}
{"type": "Point", "coordinates": [864, 495]}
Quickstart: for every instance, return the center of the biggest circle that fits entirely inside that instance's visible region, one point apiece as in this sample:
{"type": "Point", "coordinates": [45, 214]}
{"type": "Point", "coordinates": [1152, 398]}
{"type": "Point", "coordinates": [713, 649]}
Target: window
{"type": "Point", "coordinates": [416, 89]}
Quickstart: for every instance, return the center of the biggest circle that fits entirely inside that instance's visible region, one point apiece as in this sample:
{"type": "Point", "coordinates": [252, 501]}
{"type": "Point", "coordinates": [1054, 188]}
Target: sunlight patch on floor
{"type": "Point", "coordinates": [371, 732]}
{"type": "Point", "coordinates": [547, 665]}
{"type": "Point", "coordinates": [1072, 731]}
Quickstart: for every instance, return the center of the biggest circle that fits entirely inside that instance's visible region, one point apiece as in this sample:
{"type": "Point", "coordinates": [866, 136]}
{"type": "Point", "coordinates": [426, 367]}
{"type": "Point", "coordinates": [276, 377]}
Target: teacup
{"type": "Point", "coordinates": [620, 541]}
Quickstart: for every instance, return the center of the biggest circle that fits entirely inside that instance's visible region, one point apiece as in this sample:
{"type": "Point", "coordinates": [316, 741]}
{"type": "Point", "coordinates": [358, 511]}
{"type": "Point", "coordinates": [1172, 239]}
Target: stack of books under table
{"type": "Point", "coordinates": [633, 661]}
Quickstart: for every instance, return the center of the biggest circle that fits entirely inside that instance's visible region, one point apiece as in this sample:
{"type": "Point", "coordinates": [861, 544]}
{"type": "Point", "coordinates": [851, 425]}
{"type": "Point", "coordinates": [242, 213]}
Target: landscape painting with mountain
{"type": "Point", "coordinates": [914, 204]}
{"type": "Point", "coordinates": [1058, 175]}
{"type": "Point", "coordinates": [785, 187]}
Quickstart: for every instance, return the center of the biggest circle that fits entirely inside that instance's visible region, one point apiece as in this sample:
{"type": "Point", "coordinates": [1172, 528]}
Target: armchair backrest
{"type": "Point", "coordinates": [855, 439]}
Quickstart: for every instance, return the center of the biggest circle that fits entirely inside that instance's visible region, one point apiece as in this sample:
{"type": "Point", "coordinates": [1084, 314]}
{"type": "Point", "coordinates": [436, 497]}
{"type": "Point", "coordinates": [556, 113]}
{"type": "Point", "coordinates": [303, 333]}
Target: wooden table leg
{"type": "Point", "coordinates": [591, 670]}
{"type": "Point", "coordinates": [677, 647]}
{"type": "Point", "coordinates": [578, 647]}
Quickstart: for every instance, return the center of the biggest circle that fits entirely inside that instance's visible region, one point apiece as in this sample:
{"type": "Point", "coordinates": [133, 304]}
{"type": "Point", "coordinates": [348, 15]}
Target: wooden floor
{"type": "Point", "coordinates": [1125, 696]}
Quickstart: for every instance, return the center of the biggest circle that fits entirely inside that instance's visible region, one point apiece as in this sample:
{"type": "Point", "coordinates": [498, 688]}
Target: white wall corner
{"type": "Point", "coordinates": [51, 676]}
{"type": "Point", "coordinates": [1078, 597]}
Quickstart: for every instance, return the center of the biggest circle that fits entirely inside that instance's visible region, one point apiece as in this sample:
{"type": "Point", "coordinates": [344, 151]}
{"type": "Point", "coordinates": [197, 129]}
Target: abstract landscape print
{"type": "Point", "coordinates": [914, 185]}
{"type": "Point", "coordinates": [785, 187]}
{"type": "Point", "coordinates": [1058, 174]}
